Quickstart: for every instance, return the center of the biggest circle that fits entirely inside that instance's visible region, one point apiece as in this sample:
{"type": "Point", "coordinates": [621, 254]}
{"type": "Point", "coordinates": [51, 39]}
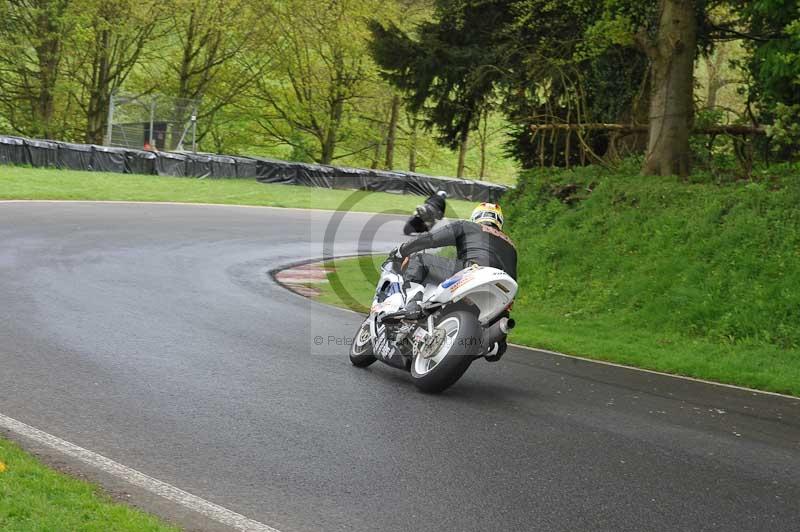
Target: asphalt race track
{"type": "Point", "coordinates": [153, 335]}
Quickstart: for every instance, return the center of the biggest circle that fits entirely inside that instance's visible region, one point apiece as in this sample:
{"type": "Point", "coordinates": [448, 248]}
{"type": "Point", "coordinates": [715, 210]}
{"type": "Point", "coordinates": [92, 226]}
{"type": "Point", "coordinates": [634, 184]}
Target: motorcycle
{"type": "Point", "coordinates": [463, 318]}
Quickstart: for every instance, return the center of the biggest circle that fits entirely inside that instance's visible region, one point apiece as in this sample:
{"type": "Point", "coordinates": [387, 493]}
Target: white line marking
{"type": "Point", "coordinates": [654, 372]}
{"type": "Point", "coordinates": [167, 491]}
{"type": "Point", "coordinates": [556, 353]}
{"type": "Point", "coordinates": [693, 379]}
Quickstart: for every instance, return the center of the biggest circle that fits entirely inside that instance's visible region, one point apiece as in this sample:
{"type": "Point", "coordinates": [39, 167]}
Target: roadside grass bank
{"type": "Point", "coordinates": [694, 278]}
{"type": "Point", "coordinates": [36, 498]}
{"type": "Point", "coordinates": [18, 182]}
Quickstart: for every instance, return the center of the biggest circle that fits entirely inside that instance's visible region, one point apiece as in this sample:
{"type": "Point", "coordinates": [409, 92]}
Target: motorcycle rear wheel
{"type": "Point", "coordinates": [361, 352]}
{"type": "Point", "coordinates": [462, 341]}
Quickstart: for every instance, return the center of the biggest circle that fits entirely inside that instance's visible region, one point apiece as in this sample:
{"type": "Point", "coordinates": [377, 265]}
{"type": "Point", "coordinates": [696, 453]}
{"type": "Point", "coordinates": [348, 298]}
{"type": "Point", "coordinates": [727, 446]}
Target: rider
{"type": "Point", "coordinates": [427, 214]}
{"type": "Point", "coordinates": [480, 241]}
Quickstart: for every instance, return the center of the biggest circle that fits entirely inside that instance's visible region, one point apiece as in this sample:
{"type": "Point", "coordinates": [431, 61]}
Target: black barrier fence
{"type": "Point", "coordinates": [48, 153]}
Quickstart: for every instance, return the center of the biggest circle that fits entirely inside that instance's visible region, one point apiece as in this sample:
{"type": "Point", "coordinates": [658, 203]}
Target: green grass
{"type": "Point", "coordinates": [49, 184]}
{"type": "Point", "coordinates": [692, 278]}
{"type": "Point", "coordinates": [351, 283]}
{"type": "Point", "coordinates": [35, 498]}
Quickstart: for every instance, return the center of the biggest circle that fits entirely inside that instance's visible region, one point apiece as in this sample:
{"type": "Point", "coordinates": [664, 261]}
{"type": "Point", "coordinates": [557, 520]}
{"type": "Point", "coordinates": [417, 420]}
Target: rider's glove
{"type": "Point", "coordinates": [395, 254]}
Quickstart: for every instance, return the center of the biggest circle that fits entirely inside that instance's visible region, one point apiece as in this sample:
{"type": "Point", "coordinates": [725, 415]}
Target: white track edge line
{"type": "Point", "coordinates": [132, 476]}
{"type": "Point", "coordinates": [656, 372]}
{"type": "Point", "coordinates": [602, 362]}
{"type": "Point", "coordinates": [574, 357]}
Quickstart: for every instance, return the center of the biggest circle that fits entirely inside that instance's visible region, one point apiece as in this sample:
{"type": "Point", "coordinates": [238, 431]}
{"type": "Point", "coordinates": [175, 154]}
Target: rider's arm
{"type": "Point", "coordinates": [440, 213]}
{"type": "Point", "coordinates": [444, 236]}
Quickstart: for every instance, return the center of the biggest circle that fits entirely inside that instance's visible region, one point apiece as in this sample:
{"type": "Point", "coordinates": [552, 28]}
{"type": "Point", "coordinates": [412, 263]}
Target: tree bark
{"type": "Point", "coordinates": [412, 148]}
{"type": "Point", "coordinates": [484, 140]}
{"type": "Point", "coordinates": [99, 94]}
{"type": "Point", "coordinates": [671, 103]}
{"type": "Point", "coordinates": [329, 144]}
{"type": "Point", "coordinates": [48, 53]}
{"type": "Point", "coordinates": [28, 80]}
{"type": "Point", "coordinates": [391, 136]}
{"type": "Point", "coordinates": [119, 38]}
{"type": "Point", "coordinates": [716, 81]}
{"type": "Point", "coordinates": [482, 173]}
{"type": "Point", "coordinates": [462, 152]}
{"type": "Point", "coordinates": [376, 155]}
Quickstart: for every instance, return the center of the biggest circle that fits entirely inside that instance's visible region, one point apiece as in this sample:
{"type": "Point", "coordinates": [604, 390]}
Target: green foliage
{"type": "Point", "coordinates": [284, 79]}
{"type": "Point", "coordinates": [716, 157]}
{"type": "Point", "coordinates": [774, 69]}
{"type": "Point", "coordinates": [775, 62]}
{"type": "Point", "coordinates": [704, 261]}
{"type": "Point", "coordinates": [538, 61]}
{"type": "Point", "coordinates": [443, 69]}
{"type": "Point", "coordinates": [785, 131]}
{"type": "Point", "coordinates": [577, 61]}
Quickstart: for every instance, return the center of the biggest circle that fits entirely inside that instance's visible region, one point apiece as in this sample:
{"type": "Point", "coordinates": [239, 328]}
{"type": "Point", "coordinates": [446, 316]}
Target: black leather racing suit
{"type": "Point", "coordinates": [426, 215]}
{"type": "Point", "coordinates": [476, 244]}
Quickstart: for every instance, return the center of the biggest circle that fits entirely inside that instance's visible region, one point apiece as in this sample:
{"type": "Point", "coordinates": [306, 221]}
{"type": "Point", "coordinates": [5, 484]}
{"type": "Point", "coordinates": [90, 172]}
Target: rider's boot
{"type": "Point", "coordinates": [413, 310]}
{"type": "Point", "coordinates": [498, 349]}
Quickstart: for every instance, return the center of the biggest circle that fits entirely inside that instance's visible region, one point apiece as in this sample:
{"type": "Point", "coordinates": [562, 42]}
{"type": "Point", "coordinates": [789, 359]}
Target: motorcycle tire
{"type": "Point", "coordinates": [361, 352]}
{"type": "Point", "coordinates": [464, 337]}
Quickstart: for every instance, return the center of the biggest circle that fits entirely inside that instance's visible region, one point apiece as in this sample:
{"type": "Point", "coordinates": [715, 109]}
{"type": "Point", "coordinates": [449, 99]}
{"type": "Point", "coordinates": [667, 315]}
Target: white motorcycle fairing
{"type": "Point", "coordinates": [437, 341]}
{"type": "Point", "coordinates": [489, 289]}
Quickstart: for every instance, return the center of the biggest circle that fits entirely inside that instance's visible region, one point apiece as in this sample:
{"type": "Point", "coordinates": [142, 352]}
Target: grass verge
{"type": "Point", "coordinates": [351, 282]}
{"type": "Point", "coordinates": [35, 498]}
{"type": "Point", "coordinates": [51, 184]}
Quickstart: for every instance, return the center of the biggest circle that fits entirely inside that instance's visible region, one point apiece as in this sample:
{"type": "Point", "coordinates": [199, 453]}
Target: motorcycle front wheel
{"type": "Point", "coordinates": [435, 372]}
{"type": "Point", "coordinates": [361, 353]}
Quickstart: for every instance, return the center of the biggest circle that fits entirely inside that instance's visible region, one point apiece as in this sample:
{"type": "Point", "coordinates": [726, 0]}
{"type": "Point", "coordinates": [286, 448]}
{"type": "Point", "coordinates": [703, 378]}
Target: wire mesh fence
{"type": "Point", "coordinates": [152, 122]}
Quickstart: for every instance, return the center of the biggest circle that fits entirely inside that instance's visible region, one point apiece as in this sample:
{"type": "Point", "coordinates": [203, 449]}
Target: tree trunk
{"type": "Point", "coordinates": [376, 155]}
{"type": "Point", "coordinates": [391, 136]}
{"type": "Point", "coordinates": [484, 140]}
{"type": "Point", "coordinates": [329, 144]}
{"type": "Point", "coordinates": [714, 84]}
{"type": "Point", "coordinates": [412, 148]}
{"type": "Point", "coordinates": [716, 67]}
{"type": "Point", "coordinates": [483, 161]}
{"type": "Point", "coordinates": [190, 51]}
{"type": "Point", "coordinates": [99, 94]}
{"type": "Point", "coordinates": [462, 152]}
{"type": "Point", "coordinates": [671, 103]}
{"type": "Point", "coordinates": [47, 42]}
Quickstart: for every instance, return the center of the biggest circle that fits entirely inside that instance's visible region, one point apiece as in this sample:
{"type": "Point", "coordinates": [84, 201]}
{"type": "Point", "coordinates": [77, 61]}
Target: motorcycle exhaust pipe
{"type": "Point", "coordinates": [497, 331]}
